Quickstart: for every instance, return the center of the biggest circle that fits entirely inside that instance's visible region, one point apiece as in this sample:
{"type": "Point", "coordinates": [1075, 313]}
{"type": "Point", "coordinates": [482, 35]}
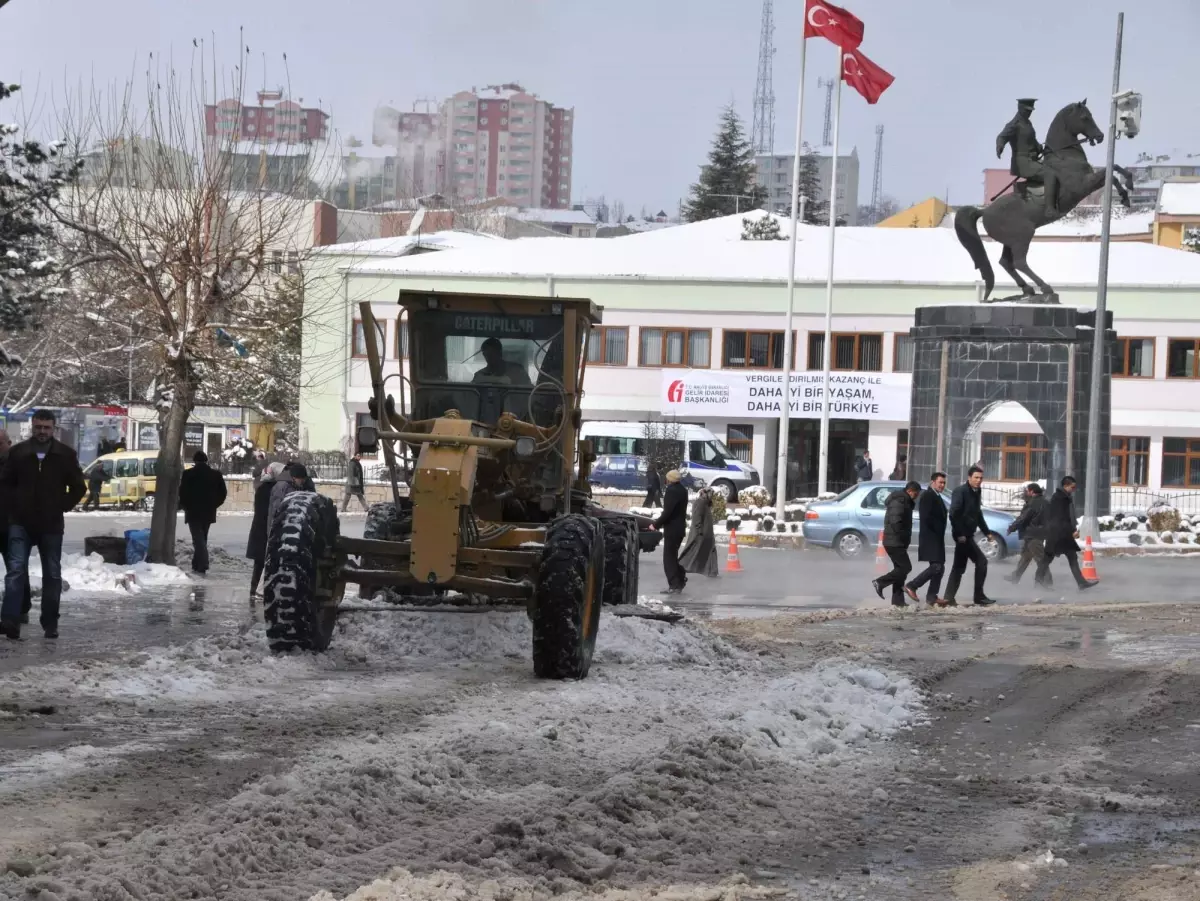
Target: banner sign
{"type": "Point", "coordinates": [731, 394]}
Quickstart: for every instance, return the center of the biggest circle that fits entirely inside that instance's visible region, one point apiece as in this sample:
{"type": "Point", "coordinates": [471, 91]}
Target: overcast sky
{"type": "Point", "coordinates": [648, 77]}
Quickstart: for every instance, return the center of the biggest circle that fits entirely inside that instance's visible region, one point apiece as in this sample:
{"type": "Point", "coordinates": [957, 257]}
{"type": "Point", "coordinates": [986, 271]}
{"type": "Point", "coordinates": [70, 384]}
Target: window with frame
{"type": "Point", "coordinates": [1014, 458]}
{"type": "Point", "coordinates": [1134, 359]}
{"type": "Point", "coordinates": [1182, 358]}
{"type": "Point", "coordinates": [851, 352]}
{"type": "Point", "coordinates": [608, 345]}
{"type": "Point", "coordinates": [1129, 461]}
{"type": "Point", "coordinates": [740, 439]}
{"type": "Point", "coordinates": [1181, 462]}
{"type": "Point", "coordinates": [903, 354]}
{"type": "Point", "coordinates": [754, 350]}
{"type": "Point", "coordinates": [671, 347]}
{"type": "Point", "coordinates": [360, 339]}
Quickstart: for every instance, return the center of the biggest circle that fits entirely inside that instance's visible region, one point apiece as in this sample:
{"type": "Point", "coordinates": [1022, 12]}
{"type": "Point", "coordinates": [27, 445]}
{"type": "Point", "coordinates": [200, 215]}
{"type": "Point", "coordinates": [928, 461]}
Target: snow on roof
{"type": "Point", "coordinates": [551, 216]}
{"type": "Point", "coordinates": [1179, 198]}
{"type": "Point", "coordinates": [402, 245]}
{"type": "Point", "coordinates": [1138, 223]}
{"type": "Point", "coordinates": [713, 251]}
{"type": "Point", "coordinates": [1175, 158]}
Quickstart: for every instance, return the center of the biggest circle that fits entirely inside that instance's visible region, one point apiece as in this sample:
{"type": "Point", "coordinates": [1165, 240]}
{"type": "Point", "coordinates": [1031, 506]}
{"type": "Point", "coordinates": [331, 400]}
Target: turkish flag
{"type": "Point", "coordinates": [864, 76]}
{"type": "Point", "coordinates": [824, 20]}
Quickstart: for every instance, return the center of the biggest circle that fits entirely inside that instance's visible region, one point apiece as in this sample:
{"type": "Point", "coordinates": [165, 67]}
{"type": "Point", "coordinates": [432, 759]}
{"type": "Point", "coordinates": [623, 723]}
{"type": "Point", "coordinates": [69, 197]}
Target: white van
{"type": "Point", "coordinates": [702, 452]}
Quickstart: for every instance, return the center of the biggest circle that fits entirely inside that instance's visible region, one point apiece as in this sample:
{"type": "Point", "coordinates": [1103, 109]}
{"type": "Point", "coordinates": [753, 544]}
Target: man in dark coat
{"type": "Point", "coordinates": [300, 478]}
{"type": "Point", "coordinates": [1029, 527]}
{"type": "Point", "coordinates": [864, 469]}
{"type": "Point", "coordinates": [96, 479]}
{"type": "Point", "coordinates": [699, 553]}
{"type": "Point", "coordinates": [897, 536]}
{"type": "Point", "coordinates": [201, 492]}
{"type": "Point", "coordinates": [1061, 532]}
{"type": "Point", "coordinates": [966, 518]}
{"type": "Point", "coordinates": [42, 481]}
{"type": "Point", "coordinates": [931, 544]}
{"type": "Point", "coordinates": [354, 483]}
{"type": "Point", "coordinates": [673, 524]}
{"type": "Point", "coordinates": [653, 486]}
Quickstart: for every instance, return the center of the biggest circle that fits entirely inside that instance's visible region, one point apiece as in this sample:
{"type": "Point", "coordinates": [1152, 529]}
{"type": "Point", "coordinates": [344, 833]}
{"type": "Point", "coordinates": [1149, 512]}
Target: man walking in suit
{"type": "Point", "coordinates": [673, 523]}
{"type": "Point", "coordinates": [966, 518]}
{"type": "Point", "coordinates": [931, 543]}
{"type": "Point", "coordinates": [897, 536]}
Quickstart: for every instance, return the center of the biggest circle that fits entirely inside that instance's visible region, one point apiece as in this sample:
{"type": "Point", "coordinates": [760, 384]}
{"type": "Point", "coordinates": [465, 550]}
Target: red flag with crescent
{"type": "Point", "coordinates": [864, 76]}
{"type": "Point", "coordinates": [824, 20]}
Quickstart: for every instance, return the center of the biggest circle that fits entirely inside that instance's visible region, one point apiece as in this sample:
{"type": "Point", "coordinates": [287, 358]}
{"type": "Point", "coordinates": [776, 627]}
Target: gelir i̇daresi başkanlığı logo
{"type": "Point", "coordinates": [675, 392]}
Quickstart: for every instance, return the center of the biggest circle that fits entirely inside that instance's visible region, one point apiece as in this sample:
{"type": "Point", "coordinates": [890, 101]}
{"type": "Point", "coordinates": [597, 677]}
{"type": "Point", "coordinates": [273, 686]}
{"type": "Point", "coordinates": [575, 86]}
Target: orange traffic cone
{"type": "Point", "coordinates": [1089, 563]}
{"type": "Point", "coordinates": [883, 563]}
{"type": "Point", "coordinates": [732, 563]}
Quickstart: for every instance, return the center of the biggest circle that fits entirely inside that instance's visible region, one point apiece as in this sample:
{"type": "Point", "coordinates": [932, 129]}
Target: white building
{"type": "Point", "coordinates": [698, 298]}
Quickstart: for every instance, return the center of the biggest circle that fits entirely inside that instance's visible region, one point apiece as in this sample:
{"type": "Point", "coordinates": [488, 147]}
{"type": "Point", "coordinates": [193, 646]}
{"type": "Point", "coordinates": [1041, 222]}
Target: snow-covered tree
{"type": "Point", "coordinates": [31, 176]}
{"type": "Point", "coordinates": [726, 182]}
{"type": "Point", "coordinates": [816, 212]}
{"type": "Point", "coordinates": [763, 228]}
{"type": "Point", "coordinates": [1191, 239]}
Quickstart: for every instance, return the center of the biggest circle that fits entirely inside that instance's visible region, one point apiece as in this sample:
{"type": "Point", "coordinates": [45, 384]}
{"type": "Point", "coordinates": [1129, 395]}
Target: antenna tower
{"type": "Point", "coordinates": [827, 84]}
{"type": "Point", "coordinates": [877, 182]}
{"type": "Point", "coordinates": [762, 132]}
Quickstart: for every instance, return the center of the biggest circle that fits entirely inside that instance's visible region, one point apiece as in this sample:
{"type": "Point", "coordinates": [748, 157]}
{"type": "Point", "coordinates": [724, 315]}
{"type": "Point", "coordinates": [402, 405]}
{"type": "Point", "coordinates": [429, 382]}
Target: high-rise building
{"type": "Point", "coordinates": [774, 173]}
{"type": "Point", "coordinates": [418, 161]}
{"type": "Point", "coordinates": [506, 142]}
{"type": "Point", "coordinates": [274, 120]}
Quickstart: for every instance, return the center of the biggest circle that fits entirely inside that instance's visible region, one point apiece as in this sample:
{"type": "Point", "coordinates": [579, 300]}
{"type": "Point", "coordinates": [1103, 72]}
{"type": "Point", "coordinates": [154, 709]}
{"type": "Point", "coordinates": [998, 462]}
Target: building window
{"type": "Point", "coordinates": [360, 339]}
{"type": "Point", "coordinates": [1129, 462]}
{"type": "Point", "coordinates": [1014, 458]}
{"type": "Point", "coordinates": [1135, 358]}
{"type": "Point", "coordinates": [687, 348]}
{"type": "Point", "coordinates": [754, 350]}
{"type": "Point", "coordinates": [1180, 462]}
{"type": "Point", "coordinates": [851, 352]}
{"type": "Point", "coordinates": [360, 420]}
{"type": "Point", "coordinates": [740, 440]}
{"type": "Point", "coordinates": [608, 346]}
{"type": "Point", "coordinates": [1181, 358]}
{"type": "Point", "coordinates": [904, 351]}
{"type": "Point", "coordinates": [483, 120]}
{"type": "Point", "coordinates": [902, 445]}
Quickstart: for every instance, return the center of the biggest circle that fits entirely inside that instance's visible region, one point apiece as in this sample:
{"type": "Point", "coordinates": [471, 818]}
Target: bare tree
{"type": "Point", "coordinates": [662, 442]}
{"type": "Point", "coordinates": [171, 223]}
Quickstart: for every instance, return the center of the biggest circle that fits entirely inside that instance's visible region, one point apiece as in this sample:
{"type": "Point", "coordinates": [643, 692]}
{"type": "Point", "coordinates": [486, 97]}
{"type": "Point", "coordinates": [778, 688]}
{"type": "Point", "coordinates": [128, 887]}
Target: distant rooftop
{"type": "Point", "coordinates": [1179, 198]}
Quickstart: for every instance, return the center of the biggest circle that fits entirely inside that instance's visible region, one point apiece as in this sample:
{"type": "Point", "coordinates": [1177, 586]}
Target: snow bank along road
{"type": "Point", "coordinates": [1043, 753]}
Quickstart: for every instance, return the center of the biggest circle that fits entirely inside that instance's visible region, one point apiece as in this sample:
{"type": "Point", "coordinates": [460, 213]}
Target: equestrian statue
{"type": "Point", "coordinates": [1051, 179]}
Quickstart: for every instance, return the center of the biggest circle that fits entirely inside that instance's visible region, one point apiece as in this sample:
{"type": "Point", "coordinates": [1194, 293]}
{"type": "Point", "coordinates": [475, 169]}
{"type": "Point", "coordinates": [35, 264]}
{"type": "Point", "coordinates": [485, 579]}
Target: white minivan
{"type": "Point", "coordinates": [702, 452]}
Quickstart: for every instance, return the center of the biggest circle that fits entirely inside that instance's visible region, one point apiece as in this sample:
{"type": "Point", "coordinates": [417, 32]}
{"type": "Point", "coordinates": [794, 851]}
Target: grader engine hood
{"type": "Point", "coordinates": [442, 484]}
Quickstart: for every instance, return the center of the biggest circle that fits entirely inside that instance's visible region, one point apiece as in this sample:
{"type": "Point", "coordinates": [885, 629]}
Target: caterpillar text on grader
{"type": "Point", "coordinates": [498, 504]}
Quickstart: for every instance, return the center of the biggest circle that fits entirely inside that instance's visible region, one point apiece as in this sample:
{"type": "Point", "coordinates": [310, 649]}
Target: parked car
{"type": "Point", "coordinates": [851, 522]}
{"type": "Point", "coordinates": [627, 472]}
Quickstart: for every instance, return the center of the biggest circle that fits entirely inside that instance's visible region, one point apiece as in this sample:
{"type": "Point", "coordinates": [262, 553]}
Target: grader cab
{"type": "Point", "coordinates": [498, 505]}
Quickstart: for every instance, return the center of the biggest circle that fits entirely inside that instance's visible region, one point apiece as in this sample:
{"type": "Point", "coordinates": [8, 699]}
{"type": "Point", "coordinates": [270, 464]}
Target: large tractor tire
{"type": "Point", "coordinates": [620, 561]}
{"type": "Point", "coordinates": [567, 598]}
{"type": "Point", "coordinates": [298, 603]}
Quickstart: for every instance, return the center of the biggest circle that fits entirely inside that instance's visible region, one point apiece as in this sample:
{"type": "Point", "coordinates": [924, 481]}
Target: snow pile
{"type": "Point", "coordinates": [92, 574]}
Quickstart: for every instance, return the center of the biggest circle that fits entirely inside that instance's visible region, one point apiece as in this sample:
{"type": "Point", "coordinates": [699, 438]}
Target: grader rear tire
{"type": "Point", "coordinates": [298, 557]}
{"type": "Point", "coordinates": [620, 561]}
{"type": "Point", "coordinates": [567, 599]}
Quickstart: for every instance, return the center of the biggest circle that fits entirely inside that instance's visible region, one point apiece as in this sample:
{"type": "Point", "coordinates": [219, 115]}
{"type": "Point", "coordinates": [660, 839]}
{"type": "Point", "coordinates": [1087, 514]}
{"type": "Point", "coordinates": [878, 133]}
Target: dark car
{"type": "Point", "coordinates": [628, 472]}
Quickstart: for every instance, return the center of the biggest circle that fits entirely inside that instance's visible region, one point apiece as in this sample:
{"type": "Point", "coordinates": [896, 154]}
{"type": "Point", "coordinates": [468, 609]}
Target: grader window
{"type": "Point", "coordinates": [470, 348]}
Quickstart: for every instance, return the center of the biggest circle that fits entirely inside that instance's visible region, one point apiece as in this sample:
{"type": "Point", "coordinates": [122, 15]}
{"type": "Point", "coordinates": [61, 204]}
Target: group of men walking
{"type": "Point", "coordinates": [1046, 529]}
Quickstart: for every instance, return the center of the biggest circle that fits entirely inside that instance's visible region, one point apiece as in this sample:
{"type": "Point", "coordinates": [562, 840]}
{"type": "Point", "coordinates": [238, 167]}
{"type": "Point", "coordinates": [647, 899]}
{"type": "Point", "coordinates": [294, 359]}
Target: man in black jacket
{"type": "Point", "coordinates": [653, 486]}
{"type": "Point", "coordinates": [673, 524]}
{"type": "Point", "coordinates": [966, 518]}
{"type": "Point", "coordinates": [201, 492]}
{"type": "Point", "coordinates": [931, 543]}
{"type": "Point", "coordinates": [1029, 527]}
{"type": "Point", "coordinates": [41, 481]}
{"type": "Point", "coordinates": [897, 536]}
{"type": "Point", "coordinates": [1061, 532]}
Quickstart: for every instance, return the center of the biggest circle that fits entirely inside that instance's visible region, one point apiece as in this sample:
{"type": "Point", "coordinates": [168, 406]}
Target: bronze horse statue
{"type": "Point", "coordinates": [1012, 220]}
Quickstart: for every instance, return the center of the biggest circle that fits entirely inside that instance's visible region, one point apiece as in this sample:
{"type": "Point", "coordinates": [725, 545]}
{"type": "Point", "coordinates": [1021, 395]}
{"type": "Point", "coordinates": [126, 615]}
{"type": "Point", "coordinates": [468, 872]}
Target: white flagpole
{"type": "Point", "coordinates": [823, 472]}
{"type": "Point", "coordinates": [785, 409]}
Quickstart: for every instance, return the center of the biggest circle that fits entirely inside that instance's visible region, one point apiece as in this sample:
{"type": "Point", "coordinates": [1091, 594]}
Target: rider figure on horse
{"type": "Point", "coordinates": [1027, 154]}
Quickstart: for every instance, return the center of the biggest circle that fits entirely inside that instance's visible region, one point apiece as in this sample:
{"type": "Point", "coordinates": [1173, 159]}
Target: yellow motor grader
{"type": "Point", "coordinates": [498, 505]}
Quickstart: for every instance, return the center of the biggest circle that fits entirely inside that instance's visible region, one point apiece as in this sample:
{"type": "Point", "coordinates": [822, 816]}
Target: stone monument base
{"type": "Point", "coordinates": [969, 358]}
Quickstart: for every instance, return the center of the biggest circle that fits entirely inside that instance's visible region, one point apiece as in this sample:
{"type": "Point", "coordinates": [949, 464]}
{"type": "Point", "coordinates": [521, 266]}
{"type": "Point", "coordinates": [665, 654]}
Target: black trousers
{"type": "Point", "coordinates": [653, 498]}
{"type": "Point", "coordinates": [93, 498]}
{"type": "Point", "coordinates": [932, 574]}
{"type": "Point", "coordinates": [199, 532]}
{"type": "Point", "coordinates": [966, 551]}
{"type": "Point", "coordinates": [1072, 556]}
{"type": "Point", "coordinates": [1033, 550]}
{"type": "Point", "coordinates": [901, 567]}
{"type": "Point", "coordinates": [676, 577]}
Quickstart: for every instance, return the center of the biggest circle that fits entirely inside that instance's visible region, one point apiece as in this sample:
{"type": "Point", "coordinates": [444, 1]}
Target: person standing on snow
{"type": "Point", "coordinates": [897, 536]}
{"type": "Point", "coordinates": [354, 483]}
{"type": "Point", "coordinates": [673, 524]}
{"type": "Point", "coordinates": [966, 518]}
{"type": "Point", "coordinates": [931, 542]}
{"type": "Point", "coordinates": [260, 525]}
{"type": "Point", "coordinates": [201, 491]}
{"type": "Point", "coordinates": [43, 481]}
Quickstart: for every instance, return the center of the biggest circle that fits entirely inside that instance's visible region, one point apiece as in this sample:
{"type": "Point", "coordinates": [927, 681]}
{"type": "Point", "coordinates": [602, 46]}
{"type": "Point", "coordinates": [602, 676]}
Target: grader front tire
{"type": "Point", "coordinates": [297, 600]}
{"type": "Point", "coordinates": [567, 599]}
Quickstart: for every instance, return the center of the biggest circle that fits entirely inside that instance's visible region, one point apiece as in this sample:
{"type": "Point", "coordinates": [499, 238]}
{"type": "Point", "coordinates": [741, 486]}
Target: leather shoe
{"type": "Point", "coordinates": [912, 595]}
{"type": "Point", "coordinates": [983, 602]}
{"type": "Point", "coordinates": [52, 633]}
{"type": "Point", "coordinates": [10, 629]}
{"type": "Point", "coordinates": [878, 588]}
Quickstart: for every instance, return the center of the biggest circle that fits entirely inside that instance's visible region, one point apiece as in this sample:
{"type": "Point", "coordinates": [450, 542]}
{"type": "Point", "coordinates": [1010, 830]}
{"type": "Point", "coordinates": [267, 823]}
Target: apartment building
{"type": "Point", "coordinates": [774, 173]}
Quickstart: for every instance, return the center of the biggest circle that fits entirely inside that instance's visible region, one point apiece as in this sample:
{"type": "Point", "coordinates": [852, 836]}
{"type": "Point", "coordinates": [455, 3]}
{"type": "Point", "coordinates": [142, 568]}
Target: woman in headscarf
{"type": "Point", "coordinates": [699, 553]}
{"type": "Point", "coordinates": [256, 547]}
